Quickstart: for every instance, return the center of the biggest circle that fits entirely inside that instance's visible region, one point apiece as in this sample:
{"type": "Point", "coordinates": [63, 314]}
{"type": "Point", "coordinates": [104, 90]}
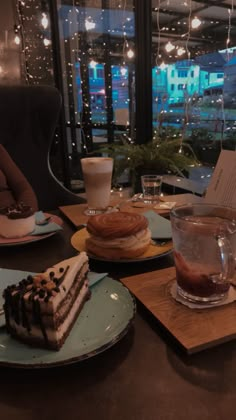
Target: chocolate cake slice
{"type": "Point", "coordinates": [41, 310]}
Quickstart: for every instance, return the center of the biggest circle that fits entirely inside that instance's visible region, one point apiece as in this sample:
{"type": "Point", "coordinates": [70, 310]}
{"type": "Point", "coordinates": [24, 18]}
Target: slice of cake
{"type": "Point", "coordinates": [16, 221]}
{"type": "Point", "coordinates": [41, 310]}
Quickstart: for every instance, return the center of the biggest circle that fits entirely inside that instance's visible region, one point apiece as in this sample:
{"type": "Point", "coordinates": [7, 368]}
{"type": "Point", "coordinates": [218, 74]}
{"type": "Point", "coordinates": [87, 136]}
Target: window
{"type": "Point", "coordinates": [91, 73]}
{"type": "Point", "coordinates": [182, 73]}
{"type": "Point", "coordinates": [192, 79]}
{"type": "Point", "coordinates": [100, 73]}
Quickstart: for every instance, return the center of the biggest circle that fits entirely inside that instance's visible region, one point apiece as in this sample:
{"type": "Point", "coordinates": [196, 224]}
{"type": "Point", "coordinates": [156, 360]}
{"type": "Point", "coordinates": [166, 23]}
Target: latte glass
{"type": "Point", "coordinates": [97, 173]}
{"type": "Point", "coordinates": [204, 239]}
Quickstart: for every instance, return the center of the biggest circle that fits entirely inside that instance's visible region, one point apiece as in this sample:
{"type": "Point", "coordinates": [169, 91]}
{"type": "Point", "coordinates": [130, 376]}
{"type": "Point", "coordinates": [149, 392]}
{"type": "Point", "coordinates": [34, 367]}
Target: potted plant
{"type": "Point", "coordinates": [167, 153]}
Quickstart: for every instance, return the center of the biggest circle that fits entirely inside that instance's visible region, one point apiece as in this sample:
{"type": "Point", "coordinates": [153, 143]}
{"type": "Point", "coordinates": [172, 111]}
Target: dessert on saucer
{"type": "Point", "coordinates": [16, 221]}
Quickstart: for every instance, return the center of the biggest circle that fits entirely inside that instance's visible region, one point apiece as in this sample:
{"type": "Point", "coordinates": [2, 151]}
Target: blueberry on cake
{"type": "Point", "coordinates": [41, 310]}
{"type": "Point", "coordinates": [16, 221]}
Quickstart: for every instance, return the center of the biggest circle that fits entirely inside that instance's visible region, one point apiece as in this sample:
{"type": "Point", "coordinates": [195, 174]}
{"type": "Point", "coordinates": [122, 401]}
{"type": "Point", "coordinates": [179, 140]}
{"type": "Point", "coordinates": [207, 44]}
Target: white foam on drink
{"type": "Point", "coordinates": [97, 164]}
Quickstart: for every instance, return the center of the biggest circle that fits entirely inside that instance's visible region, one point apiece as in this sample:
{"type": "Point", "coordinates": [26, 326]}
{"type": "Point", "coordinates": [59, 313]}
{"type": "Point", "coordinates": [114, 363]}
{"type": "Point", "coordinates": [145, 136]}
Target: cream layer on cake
{"type": "Point", "coordinates": [72, 266]}
{"type": "Point", "coordinates": [54, 335]}
{"type": "Point", "coordinates": [137, 240]}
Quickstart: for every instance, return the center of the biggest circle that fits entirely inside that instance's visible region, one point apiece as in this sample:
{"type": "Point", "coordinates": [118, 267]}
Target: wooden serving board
{"type": "Point", "coordinates": [75, 212]}
{"type": "Point", "coordinates": [194, 329]}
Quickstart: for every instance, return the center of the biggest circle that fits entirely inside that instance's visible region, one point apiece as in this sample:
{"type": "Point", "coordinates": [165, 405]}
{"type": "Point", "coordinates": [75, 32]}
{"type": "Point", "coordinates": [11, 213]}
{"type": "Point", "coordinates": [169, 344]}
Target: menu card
{"type": "Point", "coordinates": [222, 187]}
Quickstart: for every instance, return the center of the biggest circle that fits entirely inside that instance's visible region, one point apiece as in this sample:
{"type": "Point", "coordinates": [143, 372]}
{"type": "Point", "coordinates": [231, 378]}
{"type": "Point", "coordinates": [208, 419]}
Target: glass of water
{"type": "Point", "coordinates": [151, 187]}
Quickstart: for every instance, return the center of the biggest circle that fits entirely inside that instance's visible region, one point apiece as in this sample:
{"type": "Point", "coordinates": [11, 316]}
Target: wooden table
{"type": "Point", "coordinates": [143, 377]}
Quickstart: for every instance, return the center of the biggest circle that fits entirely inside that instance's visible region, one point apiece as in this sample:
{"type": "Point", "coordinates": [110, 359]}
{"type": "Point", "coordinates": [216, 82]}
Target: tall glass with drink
{"type": "Point", "coordinates": [204, 239]}
{"type": "Point", "coordinates": [97, 173]}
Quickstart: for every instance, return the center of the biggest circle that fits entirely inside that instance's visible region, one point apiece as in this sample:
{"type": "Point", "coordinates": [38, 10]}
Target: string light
{"type": "Point", "coordinates": [123, 71]}
{"type": "Point", "coordinates": [188, 33]}
{"type": "Point", "coordinates": [17, 37]}
{"type": "Point", "coordinates": [93, 64]}
{"type": "Point", "coordinates": [46, 42]}
{"type": "Point", "coordinates": [44, 21]}
{"type": "Point", "coordinates": [169, 47]}
{"type": "Point", "coordinates": [89, 24]}
{"type": "Point", "coordinates": [230, 11]}
{"type": "Point", "coordinates": [130, 53]}
{"type": "Point", "coordinates": [17, 40]}
{"type": "Point", "coordinates": [163, 66]}
{"type": "Point", "coordinates": [180, 51]}
{"type": "Point", "coordinates": [157, 9]}
{"type": "Point", "coordinates": [196, 22]}
{"type": "Point", "coordinates": [37, 59]}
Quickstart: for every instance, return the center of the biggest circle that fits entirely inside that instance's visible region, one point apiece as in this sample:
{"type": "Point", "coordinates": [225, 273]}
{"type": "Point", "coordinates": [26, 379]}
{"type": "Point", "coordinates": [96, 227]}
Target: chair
{"type": "Point", "coordinates": [28, 119]}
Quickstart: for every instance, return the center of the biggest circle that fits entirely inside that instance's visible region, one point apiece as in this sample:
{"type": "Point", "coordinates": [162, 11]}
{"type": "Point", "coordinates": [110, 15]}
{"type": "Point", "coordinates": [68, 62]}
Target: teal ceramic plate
{"type": "Point", "coordinates": [104, 320]}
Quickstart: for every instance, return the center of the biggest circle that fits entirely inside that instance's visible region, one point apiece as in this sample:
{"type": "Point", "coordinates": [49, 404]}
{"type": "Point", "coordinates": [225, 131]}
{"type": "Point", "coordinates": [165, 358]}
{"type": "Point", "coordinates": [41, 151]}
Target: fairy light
{"type": "Point", "coordinates": [157, 9]}
{"type": "Point", "coordinates": [189, 31]}
{"type": "Point", "coordinates": [89, 24]}
{"type": "Point", "coordinates": [34, 33]}
{"type": "Point", "coordinates": [46, 42]}
{"type": "Point", "coordinates": [125, 42]}
{"type": "Point", "coordinates": [93, 64]}
{"type": "Point", "coordinates": [44, 21]}
{"type": "Point", "coordinates": [17, 38]}
{"type": "Point", "coordinates": [130, 53]}
{"type": "Point", "coordinates": [163, 66]}
{"type": "Point", "coordinates": [196, 22]}
{"type": "Point", "coordinates": [169, 47]}
{"type": "Point", "coordinates": [180, 51]}
{"type": "Point", "coordinates": [123, 71]}
{"type": "Point", "coordinates": [230, 11]}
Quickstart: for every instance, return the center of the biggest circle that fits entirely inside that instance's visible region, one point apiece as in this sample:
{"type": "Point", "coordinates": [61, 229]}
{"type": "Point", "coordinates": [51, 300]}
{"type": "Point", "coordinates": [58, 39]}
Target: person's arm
{"type": "Point", "coordinates": [16, 181]}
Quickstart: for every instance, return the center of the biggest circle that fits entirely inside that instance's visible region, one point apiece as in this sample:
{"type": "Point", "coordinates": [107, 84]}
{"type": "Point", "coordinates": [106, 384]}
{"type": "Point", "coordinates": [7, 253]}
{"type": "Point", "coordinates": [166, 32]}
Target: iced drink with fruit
{"type": "Point", "coordinates": [203, 239]}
